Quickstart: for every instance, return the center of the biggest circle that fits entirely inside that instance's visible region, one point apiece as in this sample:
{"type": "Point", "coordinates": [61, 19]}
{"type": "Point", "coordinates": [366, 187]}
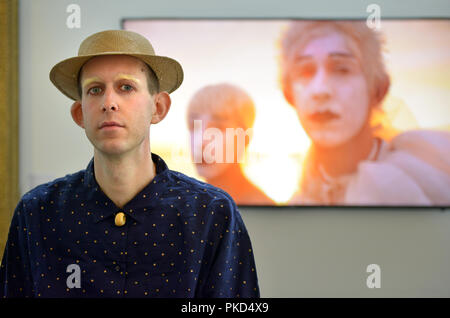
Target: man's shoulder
{"type": "Point", "coordinates": [56, 188]}
{"type": "Point", "coordinates": [210, 201]}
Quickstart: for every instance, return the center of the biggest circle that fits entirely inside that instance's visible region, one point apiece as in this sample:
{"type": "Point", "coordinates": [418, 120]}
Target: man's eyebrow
{"type": "Point", "coordinates": [342, 54]}
{"type": "Point", "coordinates": [301, 58]}
{"type": "Point", "coordinates": [126, 76]}
{"type": "Point", "coordinates": [90, 80]}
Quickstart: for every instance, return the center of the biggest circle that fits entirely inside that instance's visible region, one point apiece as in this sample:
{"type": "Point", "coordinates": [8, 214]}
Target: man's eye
{"type": "Point", "coordinates": [342, 69]}
{"type": "Point", "coordinates": [304, 71]}
{"type": "Point", "coordinates": [126, 87]}
{"type": "Point", "coordinates": [94, 90]}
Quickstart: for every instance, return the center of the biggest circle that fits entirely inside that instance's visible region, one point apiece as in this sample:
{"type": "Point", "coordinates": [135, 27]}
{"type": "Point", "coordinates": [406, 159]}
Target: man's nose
{"type": "Point", "coordinates": [109, 101]}
{"type": "Point", "coordinates": [320, 87]}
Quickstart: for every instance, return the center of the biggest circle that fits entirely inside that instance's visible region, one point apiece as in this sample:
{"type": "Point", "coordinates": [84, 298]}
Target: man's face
{"type": "Point", "coordinates": [329, 89]}
{"type": "Point", "coordinates": [214, 129]}
{"type": "Point", "coordinates": [116, 104]}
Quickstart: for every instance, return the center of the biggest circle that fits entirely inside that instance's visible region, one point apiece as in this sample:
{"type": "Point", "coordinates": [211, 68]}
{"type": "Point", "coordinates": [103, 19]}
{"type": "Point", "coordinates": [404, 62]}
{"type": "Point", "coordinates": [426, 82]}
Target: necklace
{"type": "Point", "coordinates": [334, 187]}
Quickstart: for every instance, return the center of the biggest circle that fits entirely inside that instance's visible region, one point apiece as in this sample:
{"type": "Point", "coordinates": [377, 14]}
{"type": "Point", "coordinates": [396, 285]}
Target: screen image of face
{"type": "Point", "coordinates": [309, 112]}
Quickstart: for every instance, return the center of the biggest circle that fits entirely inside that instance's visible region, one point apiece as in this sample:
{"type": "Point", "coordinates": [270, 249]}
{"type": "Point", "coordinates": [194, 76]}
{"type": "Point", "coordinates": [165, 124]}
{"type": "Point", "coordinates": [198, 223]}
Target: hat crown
{"type": "Point", "coordinates": [115, 41]}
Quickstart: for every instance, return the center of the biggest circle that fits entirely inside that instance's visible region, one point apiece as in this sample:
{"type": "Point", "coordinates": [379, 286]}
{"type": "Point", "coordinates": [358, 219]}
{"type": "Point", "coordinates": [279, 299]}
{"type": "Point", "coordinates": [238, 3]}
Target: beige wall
{"type": "Point", "coordinates": [299, 252]}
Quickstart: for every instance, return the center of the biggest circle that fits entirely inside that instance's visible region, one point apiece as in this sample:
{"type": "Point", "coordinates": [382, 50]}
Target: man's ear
{"type": "Point", "coordinates": [287, 91]}
{"type": "Point", "coordinates": [161, 106]}
{"type": "Point", "coordinates": [77, 113]}
{"type": "Point", "coordinates": [381, 90]}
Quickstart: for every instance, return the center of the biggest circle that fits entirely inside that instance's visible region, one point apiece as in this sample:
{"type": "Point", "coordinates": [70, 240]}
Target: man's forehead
{"type": "Point", "coordinates": [100, 68]}
{"type": "Point", "coordinates": [326, 42]}
{"type": "Point", "coordinates": [118, 76]}
{"type": "Point", "coordinates": [114, 63]}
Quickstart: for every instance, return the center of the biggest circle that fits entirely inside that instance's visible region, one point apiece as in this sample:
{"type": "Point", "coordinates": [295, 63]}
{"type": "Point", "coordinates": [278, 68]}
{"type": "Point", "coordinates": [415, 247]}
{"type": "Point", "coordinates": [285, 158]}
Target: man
{"type": "Point", "coordinates": [127, 226]}
{"type": "Point", "coordinates": [224, 107]}
{"type": "Point", "coordinates": [333, 73]}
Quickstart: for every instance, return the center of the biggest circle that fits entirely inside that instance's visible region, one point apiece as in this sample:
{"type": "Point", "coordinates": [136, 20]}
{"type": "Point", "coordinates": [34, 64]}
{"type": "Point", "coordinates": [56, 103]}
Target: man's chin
{"type": "Point", "coordinates": [328, 139]}
{"type": "Point", "coordinates": [111, 150]}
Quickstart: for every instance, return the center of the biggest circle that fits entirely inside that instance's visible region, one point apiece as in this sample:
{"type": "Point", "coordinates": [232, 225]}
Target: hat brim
{"type": "Point", "coordinates": [64, 75]}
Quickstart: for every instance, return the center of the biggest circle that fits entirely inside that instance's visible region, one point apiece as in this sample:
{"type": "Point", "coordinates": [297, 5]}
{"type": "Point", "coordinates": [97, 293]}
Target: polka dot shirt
{"type": "Point", "coordinates": [180, 238]}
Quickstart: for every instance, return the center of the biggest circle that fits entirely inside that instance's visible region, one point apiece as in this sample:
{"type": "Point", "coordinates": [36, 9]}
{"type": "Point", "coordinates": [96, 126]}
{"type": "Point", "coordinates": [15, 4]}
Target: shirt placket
{"type": "Point", "coordinates": [120, 263]}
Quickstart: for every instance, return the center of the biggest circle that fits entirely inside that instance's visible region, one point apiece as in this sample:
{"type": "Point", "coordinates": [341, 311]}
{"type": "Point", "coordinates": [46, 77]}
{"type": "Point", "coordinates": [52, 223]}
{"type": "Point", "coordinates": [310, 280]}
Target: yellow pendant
{"type": "Point", "coordinates": [120, 219]}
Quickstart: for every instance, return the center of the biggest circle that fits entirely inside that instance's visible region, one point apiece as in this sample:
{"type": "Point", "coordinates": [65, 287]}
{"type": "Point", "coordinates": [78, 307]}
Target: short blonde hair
{"type": "Point", "coordinates": [368, 43]}
{"type": "Point", "coordinates": [226, 101]}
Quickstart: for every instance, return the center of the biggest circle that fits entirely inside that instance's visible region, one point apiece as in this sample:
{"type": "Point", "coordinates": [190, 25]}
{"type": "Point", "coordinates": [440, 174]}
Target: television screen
{"type": "Point", "coordinates": [309, 112]}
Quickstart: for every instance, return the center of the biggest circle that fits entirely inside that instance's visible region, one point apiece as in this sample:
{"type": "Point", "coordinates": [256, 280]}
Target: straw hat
{"type": "Point", "coordinates": [64, 75]}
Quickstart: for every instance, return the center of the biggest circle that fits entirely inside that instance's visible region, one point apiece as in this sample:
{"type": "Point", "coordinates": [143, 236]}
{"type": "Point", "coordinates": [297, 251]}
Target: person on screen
{"type": "Point", "coordinates": [333, 74]}
{"type": "Point", "coordinates": [126, 226]}
{"type": "Point", "coordinates": [224, 106]}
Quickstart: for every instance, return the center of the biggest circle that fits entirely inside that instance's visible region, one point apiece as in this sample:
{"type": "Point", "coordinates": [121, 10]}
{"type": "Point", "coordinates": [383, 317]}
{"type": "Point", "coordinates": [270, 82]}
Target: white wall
{"type": "Point", "coordinates": [299, 252]}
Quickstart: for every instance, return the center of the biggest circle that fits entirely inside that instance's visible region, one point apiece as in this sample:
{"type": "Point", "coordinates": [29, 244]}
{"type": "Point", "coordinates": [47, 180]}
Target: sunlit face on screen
{"type": "Point", "coordinates": [208, 149]}
{"type": "Point", "coordinates": [329, 89]}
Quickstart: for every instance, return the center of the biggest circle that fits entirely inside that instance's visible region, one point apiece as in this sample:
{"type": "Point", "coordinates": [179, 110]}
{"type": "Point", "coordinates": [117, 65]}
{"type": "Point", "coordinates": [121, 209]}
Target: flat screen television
{"type": "Point", "coordinates": [282, 112]}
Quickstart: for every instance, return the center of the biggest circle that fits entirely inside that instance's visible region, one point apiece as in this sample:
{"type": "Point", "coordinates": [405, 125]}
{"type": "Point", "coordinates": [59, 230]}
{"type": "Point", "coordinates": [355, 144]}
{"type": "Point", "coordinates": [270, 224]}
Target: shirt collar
{"type": "Point", "coordinates": [146, 198]}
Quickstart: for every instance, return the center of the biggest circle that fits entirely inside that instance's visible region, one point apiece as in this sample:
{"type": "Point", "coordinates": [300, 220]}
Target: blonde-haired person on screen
{"type": "Point", "coordinates": [221, 107]}
{"type": "Point", "coordinates": [333, 74]}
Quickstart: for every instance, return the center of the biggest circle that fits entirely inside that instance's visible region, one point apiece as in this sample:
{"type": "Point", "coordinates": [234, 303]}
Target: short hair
{"type": "Point", "coordinates": [224, 100]}
{"type": "Point", "coordinates": [152, 80]}
{"type": "Point", "coordinates": [368, 45]}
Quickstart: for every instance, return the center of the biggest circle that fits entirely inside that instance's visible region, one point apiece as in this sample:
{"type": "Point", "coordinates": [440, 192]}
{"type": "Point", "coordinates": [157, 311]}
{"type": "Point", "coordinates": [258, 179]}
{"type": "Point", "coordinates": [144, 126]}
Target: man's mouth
{"type": "Point", "coordinates": [322, 117]}
{"type": "Point", "coordinates": [110, 124]}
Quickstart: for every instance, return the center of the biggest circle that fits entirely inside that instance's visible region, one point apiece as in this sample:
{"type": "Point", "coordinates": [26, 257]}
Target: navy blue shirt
{"type": "Point", "coordinates": [181, 238]}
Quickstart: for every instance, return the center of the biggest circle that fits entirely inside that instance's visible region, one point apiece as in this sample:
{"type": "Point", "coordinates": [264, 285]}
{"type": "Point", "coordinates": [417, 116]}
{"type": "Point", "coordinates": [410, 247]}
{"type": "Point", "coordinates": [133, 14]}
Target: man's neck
{"type": "Point", "coordinates": [122, 178]}
{"type": "Point", "coordinates": [344, 159]}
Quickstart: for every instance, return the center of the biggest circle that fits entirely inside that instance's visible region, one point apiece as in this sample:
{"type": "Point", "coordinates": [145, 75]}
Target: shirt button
{"type": "Point", "coordinates": [120, 219]}
{"type": "Point", "coordinates": [117, 268]}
